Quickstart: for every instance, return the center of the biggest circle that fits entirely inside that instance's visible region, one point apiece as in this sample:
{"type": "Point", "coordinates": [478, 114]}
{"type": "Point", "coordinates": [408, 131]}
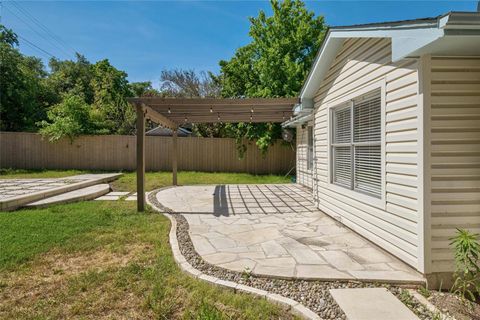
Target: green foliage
{"type": "Point", "coordinates": [143, 89]}
{"type": "Point", "coordinates": [265, 135]}
{"type": "Point", "coordinates": [424, 292]}
{"type": "Point", "coordinates": [274, 64]}
{"type": "Point", "coordinates": [282, 50]}
{"type": "Point", "coordinates": [110, 87]}
{"type": "Point", "coordinates": [467, 264]}
{"type": "Point", "coordinates": [70, 118]}
{"type": "Point", "coordinates": [71, 77]}
{"type": "Point", "coordinates": [7, 36]}
{"type": "Point", "coordinates": [80, 97]}
{"type": "Point", "coordinates": [91, 100]}
{"type": "Point", "coordinates": [24, 94]}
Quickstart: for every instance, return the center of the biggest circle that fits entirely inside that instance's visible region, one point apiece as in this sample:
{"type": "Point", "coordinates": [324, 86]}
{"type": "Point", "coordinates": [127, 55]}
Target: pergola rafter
{"type": "Point", "coordinates": [173, 112]}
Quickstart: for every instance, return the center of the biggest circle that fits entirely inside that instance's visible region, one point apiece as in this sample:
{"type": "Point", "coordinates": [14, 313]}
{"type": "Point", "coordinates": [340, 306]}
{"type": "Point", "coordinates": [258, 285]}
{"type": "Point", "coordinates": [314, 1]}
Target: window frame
{"type": "Point", "coordinates": [346, 101]}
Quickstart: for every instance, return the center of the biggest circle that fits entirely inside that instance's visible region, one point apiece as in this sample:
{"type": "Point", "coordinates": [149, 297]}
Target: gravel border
{"type": "Point", "coordinates": [309, 299]}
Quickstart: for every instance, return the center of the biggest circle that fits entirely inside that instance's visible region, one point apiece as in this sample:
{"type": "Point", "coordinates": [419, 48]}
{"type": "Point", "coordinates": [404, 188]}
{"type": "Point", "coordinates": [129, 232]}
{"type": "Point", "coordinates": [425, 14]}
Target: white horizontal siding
{"type": "Point", "coordinates": [455, 153]}
{"type": "Point", "coordinates": [304, 176]}
{"type": "Point", "coordinates": [363, 61]}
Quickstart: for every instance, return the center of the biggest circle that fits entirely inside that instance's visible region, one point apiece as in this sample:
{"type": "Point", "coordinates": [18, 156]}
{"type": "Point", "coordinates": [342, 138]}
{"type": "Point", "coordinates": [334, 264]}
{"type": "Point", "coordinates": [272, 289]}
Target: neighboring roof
{"type": "Point", "coordinates": [455, 33]}
{"type": "Point", "coordinates": [161, 131]}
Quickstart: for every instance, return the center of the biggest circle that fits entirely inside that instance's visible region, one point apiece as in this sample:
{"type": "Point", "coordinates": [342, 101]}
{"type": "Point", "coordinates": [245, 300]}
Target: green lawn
{"type": "Point", "coordinates": [37, 174]}
{"type": "Point", "coordinates": [104, 260]}
{"type": "Point", "coordinates": [154, 180]}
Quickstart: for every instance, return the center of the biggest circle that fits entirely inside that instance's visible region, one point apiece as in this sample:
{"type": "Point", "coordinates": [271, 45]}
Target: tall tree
{"type": "Point", "coordinates": [93, 94]}
{"type": "Point", "coordinates": [143, 89]}
{"type": "Point", "coordinates": [23, 93]}
{"type": "Point", "coordinates": [70, 118]}
{"type": "Point", "coordinates": [190, 84]}
{"type": "Point", "coordinates": [110, 87]}
{"type": "Point", "coordinates": [72, 77]}
{"type": "Point", "coordinates": [274, 64]}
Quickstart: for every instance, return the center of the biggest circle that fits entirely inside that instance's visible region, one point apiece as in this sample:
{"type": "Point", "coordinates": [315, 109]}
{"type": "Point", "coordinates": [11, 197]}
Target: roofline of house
{"type": "Point", "coordinates": [407, 36]}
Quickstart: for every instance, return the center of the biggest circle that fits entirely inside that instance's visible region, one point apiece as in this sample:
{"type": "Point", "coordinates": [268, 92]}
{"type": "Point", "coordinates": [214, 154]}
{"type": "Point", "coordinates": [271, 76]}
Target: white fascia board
{"type": "Point", "coordinates": [321, 65]}
{"type": "Point", "coordinates": [404, 41]}
{"type": "Point", "coordinates": [407, 39]}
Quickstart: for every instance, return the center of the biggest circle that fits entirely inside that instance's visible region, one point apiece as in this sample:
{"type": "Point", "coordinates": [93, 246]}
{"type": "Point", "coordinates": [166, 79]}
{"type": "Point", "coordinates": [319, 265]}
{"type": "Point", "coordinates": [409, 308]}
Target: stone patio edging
{"type": "Point", "coordinates": [290, 304]}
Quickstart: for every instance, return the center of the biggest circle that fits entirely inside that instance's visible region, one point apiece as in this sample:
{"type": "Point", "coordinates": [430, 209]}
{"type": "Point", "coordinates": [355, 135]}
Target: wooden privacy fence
{"type": "Point", "coordinates": [22, 150]}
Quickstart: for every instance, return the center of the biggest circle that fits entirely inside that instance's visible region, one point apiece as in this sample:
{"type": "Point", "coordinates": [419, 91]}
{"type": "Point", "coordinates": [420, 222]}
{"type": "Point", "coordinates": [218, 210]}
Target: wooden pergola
{"type": "Point", "coordinates": [172, 112]}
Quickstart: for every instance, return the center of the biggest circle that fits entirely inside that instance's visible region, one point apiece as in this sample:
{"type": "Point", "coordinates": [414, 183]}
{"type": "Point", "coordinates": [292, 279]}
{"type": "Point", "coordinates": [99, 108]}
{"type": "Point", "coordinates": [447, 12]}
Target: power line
{"type": "Point", "coordinates": [39, 34]}
{"type": "Point", "coordinates": [35, 46]}
{"type": "Point", "coordinates": [49, 32]}
{"type": "Point", "coordinates": [28, 42]}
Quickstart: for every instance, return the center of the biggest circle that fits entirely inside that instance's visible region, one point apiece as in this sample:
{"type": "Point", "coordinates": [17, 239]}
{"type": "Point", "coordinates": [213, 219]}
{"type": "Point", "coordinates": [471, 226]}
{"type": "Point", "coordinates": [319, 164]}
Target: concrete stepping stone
{"type": "Point", "coordinates": [108, 197]}
{"type": "Point", "coordinates": [83, 194]}
{"type": "Point", "coordinates": [119, 193]}
{"type": "Point", "coordinates": [132, 197]}
{"type": "Point", "coordinates": [371, 304]}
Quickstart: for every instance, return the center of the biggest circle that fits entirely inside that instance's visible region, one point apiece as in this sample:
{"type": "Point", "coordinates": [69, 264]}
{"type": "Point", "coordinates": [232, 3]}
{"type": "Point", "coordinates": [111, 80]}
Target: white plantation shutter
{"type": "Point", "coordinates": [356, 146]}
{"type": "Point", "coordinates": [342, 125]}
{"type": "Point", "coordinates": [342, 168]}
{"type": "Point", "coordinates": [368, 169]}
{"type": "Point", "coordinates": [366, 123]}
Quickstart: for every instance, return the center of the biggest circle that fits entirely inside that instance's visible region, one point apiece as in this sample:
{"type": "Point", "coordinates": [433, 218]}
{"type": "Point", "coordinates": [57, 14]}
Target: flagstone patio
{"type": "Point", "coordinates": [275, 230]}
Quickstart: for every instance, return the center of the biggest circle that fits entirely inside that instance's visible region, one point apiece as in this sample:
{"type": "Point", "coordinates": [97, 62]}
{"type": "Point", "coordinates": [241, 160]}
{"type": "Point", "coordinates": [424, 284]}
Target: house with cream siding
{"type": "Point", "coordinates": [388, 134]}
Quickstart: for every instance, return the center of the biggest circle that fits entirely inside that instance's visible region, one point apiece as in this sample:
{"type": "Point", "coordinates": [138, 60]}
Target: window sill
{"type": "Point", "coordinates": [358, 196]}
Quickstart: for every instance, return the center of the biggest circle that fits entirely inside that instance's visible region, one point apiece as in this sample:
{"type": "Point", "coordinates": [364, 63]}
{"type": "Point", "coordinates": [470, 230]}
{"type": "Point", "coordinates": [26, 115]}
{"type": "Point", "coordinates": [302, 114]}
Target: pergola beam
{"type": "Point", "coordinates": [140, 158]}
{"type": "Point", "coordinates": [158, 117]}
{"type": "Point", "coordinates": [171, 112]}
{"type": "Point", "coordinates": [214, 101]}
{"type": "Point", "coordinates": [174, 157]}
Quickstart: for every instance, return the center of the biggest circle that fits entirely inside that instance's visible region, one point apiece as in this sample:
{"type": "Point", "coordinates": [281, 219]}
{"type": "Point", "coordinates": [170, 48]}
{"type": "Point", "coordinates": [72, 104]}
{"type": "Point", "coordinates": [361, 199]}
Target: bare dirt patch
{"type": "Point", "coordinates": [75, 285]}
{"type": "Point", "coordinates": [453, 305]}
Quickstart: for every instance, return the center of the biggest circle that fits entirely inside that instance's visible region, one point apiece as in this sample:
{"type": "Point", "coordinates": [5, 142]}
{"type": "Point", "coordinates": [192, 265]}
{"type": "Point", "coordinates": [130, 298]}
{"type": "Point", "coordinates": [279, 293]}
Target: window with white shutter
{"type": "Point", "coordinates": [356, 144]}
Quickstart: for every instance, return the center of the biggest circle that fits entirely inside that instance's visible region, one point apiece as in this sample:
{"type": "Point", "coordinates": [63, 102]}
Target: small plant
{"type": "Point", "coordinates": [467, 270]}
{"type": "Point", "coordinates": [424, 292]}
{"type": "Point", "coordinates": [437, 316]}
{"type": "Point", "coordinates": [407, 298]}
{"type": "Point", "coordinates": [247, 273]}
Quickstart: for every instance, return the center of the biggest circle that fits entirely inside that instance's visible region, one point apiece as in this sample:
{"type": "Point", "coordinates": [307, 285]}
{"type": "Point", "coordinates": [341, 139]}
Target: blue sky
{"type": "Point", "coordinates": [143, 38]}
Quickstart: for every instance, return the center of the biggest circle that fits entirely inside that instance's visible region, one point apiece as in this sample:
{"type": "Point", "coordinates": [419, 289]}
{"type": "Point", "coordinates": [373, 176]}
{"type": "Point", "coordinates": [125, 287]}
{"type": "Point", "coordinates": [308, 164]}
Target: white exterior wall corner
{"type": "Point", "coordinates": [394, 225]}
{"type": "Point", "coordinates": [454, 122]}
{"type": "Point", "coordinates": [304, 176]}
{"type": "Point", "coordinates": [424, 178]}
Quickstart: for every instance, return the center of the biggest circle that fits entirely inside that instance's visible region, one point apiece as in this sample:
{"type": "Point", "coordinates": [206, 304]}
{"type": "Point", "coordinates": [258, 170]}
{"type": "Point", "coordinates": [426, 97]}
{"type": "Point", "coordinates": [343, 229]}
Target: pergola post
{"type": "Point", "coordinates": [140, 158]}
{"type": "Point", "coordinates": [174, 156]}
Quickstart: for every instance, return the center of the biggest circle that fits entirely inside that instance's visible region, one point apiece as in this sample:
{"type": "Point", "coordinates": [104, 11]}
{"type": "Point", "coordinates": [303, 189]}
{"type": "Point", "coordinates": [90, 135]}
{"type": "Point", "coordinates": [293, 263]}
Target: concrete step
{"type": "Point", "coordinates": [70, 183]}
{"type": "Point", "coordinates": [83, 194]}
{"type": "Point", "coordinates": [371, 304]}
